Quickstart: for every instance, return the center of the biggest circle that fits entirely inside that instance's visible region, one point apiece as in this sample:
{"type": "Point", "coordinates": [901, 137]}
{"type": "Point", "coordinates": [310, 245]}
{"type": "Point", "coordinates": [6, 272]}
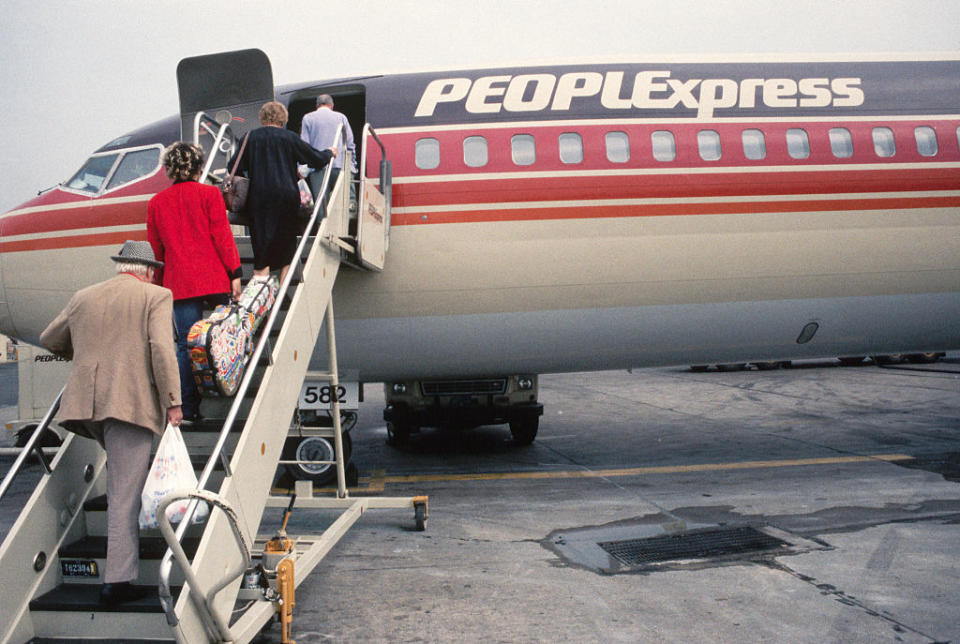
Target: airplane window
{"type": "Point", "coordinates": [618, 147]}
{"type": "Point", "coordinates": [841, 143]}
{"type": "Point", "coordinates": [571, 147]}
{"type": "Point", "coordinates": [798, 144]}
{"type": "Point", "coordinates": [754, 145]}
{"type": "Point", "coordinates": [135, 165]}
{"type": "Point", "coordinates": [883, 143]}
{"type": "Point", "coordinates": [664, 145]}
{"type": "Point", "coordinates": [708, 141]}
{"type": "Point", "coordinates": [427, 154]}
{"type": "Point", "coordinates": [523, 148]}
{"type": "Point", "coordinates": [90, 177]}
{"type": "Point", "coordinates": [926, 141]}
{"type": "Point", "coordinates": [475, 151]}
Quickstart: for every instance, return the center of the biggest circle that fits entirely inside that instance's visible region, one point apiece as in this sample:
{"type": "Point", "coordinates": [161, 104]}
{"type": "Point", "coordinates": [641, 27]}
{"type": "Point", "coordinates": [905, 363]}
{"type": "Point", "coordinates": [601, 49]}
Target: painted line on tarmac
{"type": "Point", "coordinates": [378, 479]}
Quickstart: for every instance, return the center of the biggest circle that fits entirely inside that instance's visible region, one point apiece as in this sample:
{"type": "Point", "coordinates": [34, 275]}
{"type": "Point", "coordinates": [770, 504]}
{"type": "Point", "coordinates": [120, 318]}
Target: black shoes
{"type": "Point", "coordinates": [122, 592]}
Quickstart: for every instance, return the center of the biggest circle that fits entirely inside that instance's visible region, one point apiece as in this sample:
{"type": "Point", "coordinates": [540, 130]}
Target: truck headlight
{"type": "Point", "coordinates": [399, 388]}
{"type": "Point", "coordinates": [524, 383]}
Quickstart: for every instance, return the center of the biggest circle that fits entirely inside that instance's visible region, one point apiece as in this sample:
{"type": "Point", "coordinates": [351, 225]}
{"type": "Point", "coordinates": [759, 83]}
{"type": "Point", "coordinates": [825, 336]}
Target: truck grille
{"type": "Point", "coordinates": [464, 387]}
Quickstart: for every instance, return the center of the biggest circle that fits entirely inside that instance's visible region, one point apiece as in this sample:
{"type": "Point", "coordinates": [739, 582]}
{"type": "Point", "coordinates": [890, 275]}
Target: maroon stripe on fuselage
{"type": "Point", "coordinates": [665, 186]}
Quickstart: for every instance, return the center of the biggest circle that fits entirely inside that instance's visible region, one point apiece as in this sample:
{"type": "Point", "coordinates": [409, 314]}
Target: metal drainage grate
{"type": "Point", "coordinates": [691, 545]}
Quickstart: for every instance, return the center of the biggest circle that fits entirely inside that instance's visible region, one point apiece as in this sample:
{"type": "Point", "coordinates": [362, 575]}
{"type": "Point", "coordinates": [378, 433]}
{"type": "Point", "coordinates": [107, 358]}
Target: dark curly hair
{"type": "Point", "coordinates": [182, 161]}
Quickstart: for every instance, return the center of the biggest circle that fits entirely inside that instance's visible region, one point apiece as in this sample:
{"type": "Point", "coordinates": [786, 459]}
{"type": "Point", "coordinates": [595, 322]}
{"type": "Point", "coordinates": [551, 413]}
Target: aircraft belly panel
{"type": "Point", "coordinates": [384, 349]}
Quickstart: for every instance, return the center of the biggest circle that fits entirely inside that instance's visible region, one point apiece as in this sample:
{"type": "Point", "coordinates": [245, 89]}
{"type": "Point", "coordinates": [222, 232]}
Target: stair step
{"type": "Point", "coordinates": [95, 510]}
{"type": "Point", "coordinates": [152, 549]}
{"type": "Point", "coordinates": [94, 546]}
{"type": "Point", "coordinates": [98, 640]}
{"type": "Point", "coordinates": [86, 598]}
{"type": "Point", "coordinates": [72, 613]}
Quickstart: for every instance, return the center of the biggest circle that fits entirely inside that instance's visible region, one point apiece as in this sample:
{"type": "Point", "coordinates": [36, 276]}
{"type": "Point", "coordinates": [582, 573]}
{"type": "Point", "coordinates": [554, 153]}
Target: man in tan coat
{"type": "Point", "coordinates": [123, 388]}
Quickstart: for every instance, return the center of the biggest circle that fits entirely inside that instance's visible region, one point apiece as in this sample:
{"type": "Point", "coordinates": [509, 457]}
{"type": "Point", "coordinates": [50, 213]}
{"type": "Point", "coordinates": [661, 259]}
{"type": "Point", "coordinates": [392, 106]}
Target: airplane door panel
{"type": "Point", "coordinates": [228, 87]}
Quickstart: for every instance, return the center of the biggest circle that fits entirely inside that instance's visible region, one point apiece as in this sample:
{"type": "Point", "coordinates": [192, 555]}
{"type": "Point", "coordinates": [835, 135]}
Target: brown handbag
{"type": "Point", "coordinates": [234, 188]}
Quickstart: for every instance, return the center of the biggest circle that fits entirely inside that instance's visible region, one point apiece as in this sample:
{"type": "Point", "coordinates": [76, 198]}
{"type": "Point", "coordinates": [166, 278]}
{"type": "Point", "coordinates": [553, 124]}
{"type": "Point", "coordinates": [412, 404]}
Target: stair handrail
{"type": "Point", "coordinates": [166, 564]}
{"type": "Point", "coordinates": [218, 138]}
{"type": "Point", "coordinates": [30, 446]}
{"type": "Point", "coordinates": [214, 622]}
{"type": "Point", "coordinates": [368, 130]}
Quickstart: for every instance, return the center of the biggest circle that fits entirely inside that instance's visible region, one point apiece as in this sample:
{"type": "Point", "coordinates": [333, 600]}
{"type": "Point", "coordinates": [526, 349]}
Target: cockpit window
{"type": "Point", "coordinates": [91, 176]}
{"type": "Point", "coordinates": [109, 171]}
{"type": "Point", "coordinates": [134, 165]}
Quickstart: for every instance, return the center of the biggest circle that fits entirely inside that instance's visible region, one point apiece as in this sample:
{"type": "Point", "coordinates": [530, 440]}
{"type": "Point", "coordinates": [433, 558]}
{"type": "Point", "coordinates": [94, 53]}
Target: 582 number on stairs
{"type": "Point", "coordinates": [320, 395]}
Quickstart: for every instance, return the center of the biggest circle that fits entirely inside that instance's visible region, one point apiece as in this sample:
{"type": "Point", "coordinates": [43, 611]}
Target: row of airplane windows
{"type": "Point", "coordinates": [663, 143]}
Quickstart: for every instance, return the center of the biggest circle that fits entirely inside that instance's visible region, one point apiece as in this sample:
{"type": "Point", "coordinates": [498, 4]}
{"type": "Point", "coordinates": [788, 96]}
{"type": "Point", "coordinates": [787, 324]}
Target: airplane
{"type": "Point", "coordinates": [538, 219]}
{"type": "Point", "coordinates": [579, 217]}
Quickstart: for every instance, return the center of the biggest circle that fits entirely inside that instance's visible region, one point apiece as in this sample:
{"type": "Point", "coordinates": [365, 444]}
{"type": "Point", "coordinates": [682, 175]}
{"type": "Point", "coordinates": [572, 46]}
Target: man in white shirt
{"type": "Point", "coordinates": [319, 128]}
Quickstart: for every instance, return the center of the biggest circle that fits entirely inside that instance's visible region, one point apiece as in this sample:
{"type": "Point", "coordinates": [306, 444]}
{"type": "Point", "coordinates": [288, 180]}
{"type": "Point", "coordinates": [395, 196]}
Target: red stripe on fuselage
{"type": "Point", "coordinates": [85, 215]}
{"type": "Point", "coordinates": [679, 185]}
{"type": "Point", "coordinates": [73, 241]}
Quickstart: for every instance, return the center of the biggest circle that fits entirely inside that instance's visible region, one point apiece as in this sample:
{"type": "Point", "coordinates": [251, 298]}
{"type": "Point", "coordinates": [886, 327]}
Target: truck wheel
{"type": "Point", "coordinates": [524, 429]}
{"type": "Point", "coordinates": [399, 434]}
{"type": "Point", "coordinates": [315, 448]}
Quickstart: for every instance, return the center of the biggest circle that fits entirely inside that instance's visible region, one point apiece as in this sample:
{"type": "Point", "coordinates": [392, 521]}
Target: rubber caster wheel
{"type": "Point", "coordinates": [420, 516]}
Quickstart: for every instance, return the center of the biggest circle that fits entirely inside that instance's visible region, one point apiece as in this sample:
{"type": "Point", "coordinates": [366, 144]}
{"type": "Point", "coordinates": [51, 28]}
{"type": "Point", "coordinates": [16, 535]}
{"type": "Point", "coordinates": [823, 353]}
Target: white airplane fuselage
{"type": "Point", "coordinates": [604, 216]}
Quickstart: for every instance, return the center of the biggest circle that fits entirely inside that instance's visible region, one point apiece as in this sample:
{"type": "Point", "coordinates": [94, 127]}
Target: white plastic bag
{"type": "Point", "coordinates": [171, 470]}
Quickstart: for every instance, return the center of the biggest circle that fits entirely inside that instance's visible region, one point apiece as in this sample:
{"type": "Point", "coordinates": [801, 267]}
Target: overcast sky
{"type": "Point", "coordinates": [76, 73]}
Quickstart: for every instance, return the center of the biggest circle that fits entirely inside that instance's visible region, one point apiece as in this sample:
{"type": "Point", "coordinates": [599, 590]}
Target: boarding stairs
{"type": "Point", "coordinates": [52, 559]}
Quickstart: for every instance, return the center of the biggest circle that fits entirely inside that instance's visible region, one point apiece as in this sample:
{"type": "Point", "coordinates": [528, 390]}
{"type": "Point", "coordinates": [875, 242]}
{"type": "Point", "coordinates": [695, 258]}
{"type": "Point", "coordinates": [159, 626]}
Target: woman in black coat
{"type": "Point", "coordinates": [270, 162]}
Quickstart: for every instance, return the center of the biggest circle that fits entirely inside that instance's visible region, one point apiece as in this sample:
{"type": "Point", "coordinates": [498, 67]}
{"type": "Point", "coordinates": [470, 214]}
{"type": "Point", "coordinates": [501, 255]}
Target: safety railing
{"type": "Point", "coordinates": [370, 219]}
{"type": "Point", "coordinates": [222, 143]}
{"type": "Point", "coordinates": [32, 446]}
{"type": "Point", "coordinates": [166, 598]}
{"type": "Point", "coordinates": [214, 622]}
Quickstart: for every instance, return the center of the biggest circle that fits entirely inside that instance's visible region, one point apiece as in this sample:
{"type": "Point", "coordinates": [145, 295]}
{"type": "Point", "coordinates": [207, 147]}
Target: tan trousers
{"type": "Point", "coordinates": [128, 463]}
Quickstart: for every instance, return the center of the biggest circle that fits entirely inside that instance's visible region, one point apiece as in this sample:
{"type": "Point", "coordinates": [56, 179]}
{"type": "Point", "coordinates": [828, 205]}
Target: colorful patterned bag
{"type": "Point", "coordinates": [221, 344]}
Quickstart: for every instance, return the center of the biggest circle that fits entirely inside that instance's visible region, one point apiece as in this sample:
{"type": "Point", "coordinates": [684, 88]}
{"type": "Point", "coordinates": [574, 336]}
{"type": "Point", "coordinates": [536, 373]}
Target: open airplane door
{"type": "Point", "coordinates": [222, 89]}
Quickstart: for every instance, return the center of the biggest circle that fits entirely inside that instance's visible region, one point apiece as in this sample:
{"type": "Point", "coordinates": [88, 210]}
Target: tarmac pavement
{"type": "Point", "coordinates": [855, 468]}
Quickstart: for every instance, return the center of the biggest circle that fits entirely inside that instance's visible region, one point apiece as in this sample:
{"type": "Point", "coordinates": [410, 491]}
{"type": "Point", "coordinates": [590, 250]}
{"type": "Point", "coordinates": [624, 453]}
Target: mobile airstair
{"type": "Point", "coordinates": [221, 580]}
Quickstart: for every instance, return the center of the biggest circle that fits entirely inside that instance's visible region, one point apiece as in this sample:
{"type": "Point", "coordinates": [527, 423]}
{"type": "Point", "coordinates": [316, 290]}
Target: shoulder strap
{"type": "Point", "coordinates": [239, 156]}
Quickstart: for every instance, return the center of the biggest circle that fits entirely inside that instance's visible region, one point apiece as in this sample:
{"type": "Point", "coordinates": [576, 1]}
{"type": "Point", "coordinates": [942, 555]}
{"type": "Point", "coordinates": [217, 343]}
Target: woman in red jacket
{"type": "Point", "coordinates": [188, 229]}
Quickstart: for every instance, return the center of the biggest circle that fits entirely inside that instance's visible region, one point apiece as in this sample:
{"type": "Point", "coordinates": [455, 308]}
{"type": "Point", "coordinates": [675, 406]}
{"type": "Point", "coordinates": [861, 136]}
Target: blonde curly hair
{"type": "Point", "coordinates": [273, 113]}
{"type": "Point", "coordinates": [182, 161]}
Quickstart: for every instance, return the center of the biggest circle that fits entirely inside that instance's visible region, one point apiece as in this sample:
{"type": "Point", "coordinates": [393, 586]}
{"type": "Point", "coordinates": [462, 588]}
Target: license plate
{"type": "Point", "coordinates": [319, 395]}
{"type": "Point", "coordinates": [79, 568]}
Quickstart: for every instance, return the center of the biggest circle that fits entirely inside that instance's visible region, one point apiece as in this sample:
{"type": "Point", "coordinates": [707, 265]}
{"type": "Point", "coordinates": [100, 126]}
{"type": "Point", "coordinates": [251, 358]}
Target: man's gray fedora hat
{"type": "Point", "coordinates": [138, 252]}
